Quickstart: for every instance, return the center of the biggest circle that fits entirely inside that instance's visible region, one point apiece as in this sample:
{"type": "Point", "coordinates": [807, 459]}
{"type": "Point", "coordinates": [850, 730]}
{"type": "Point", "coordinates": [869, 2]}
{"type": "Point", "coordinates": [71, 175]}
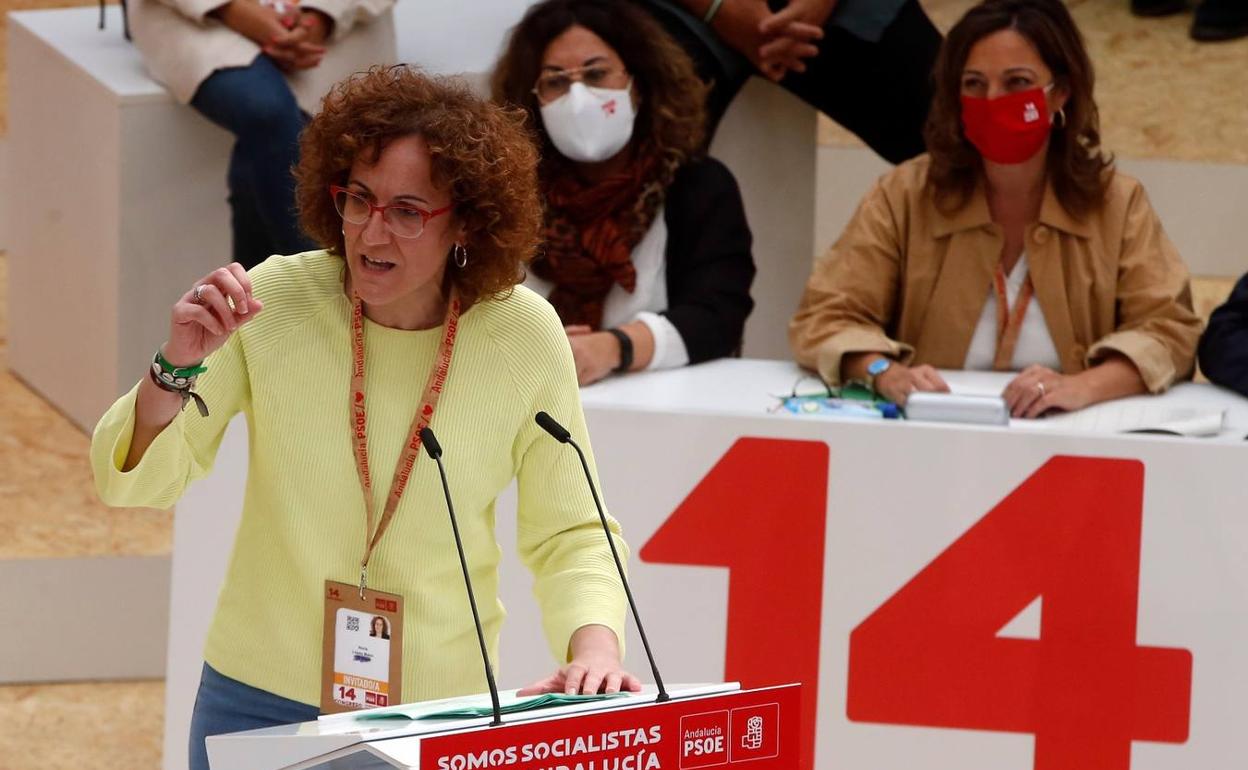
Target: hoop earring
{"type": "Point", "coordinates": [1061, 114]}
{"type": "Point", "coordinates": [460, 255]}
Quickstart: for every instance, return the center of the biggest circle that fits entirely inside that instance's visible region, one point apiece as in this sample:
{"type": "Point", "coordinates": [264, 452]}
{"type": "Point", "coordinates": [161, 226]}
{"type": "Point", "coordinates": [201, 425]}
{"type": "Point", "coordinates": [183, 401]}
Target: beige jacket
{"type": "Point", "coordinates": [910, 282]}
{"type": "Point", "coordinates": [182, 45]}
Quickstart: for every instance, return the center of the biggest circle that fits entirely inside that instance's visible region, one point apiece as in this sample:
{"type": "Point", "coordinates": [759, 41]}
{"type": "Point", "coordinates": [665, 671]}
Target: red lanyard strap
{"type": "Point", "coordinates": [411, 448]}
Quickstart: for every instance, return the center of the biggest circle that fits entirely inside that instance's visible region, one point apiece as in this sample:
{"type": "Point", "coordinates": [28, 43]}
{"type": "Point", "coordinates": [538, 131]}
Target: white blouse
{"type": "Point", "coordinates": [1035, 344]}
{"type": "Point", "coordinates": [645, 302]}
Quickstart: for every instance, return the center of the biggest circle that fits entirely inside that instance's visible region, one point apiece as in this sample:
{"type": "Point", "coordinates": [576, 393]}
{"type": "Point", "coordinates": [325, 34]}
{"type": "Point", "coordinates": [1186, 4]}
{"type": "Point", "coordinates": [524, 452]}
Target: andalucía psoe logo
{"type": "Point", "coordinates": [753, 738]}
{"type": "Point", "coordinates": [755, 733]}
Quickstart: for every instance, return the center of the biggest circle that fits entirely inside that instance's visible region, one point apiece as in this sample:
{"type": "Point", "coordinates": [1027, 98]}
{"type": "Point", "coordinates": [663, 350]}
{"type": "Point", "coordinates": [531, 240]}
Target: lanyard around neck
{"type": "Point", "coordinates": [1009, 319]}
{"type": "Point", "coordinates": [411, 448]}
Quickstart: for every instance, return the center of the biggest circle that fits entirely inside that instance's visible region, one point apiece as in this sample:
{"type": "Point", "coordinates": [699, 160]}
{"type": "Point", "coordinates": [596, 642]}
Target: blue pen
{"type": "Point", "coordinates": [890, 410]}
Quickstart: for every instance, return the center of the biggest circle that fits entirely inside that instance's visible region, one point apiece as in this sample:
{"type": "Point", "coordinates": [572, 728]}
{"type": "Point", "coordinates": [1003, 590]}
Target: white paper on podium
{"type": "Point", "coordinates": [509, 702]}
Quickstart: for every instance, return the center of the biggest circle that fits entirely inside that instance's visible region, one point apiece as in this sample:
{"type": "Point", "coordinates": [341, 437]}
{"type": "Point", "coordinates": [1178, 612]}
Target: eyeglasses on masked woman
{"type": "Point", "coordinates": [555, 83]}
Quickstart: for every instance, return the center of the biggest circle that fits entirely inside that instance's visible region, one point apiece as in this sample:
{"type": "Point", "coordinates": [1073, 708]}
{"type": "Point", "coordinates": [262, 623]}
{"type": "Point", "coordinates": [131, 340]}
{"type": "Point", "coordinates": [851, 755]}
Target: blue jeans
{"type": "Point", "coordinates": [255, 104]}
{"type": "Point", "coordinates": [226, 705]}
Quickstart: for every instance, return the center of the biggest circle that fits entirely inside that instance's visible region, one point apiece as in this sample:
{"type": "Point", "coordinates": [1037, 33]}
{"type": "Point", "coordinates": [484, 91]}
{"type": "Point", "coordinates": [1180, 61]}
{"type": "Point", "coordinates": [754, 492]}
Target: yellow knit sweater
{"type": "Point", "coordinates": [303, 517]}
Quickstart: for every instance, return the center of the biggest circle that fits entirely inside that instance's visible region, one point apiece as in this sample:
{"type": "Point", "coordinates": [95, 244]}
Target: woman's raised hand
{"type": "Point", "coordinates": [206, 315]}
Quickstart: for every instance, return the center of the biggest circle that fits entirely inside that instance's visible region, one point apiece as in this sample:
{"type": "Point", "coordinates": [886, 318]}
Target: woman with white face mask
{"type": "Point", "coordinates": [647, 252]}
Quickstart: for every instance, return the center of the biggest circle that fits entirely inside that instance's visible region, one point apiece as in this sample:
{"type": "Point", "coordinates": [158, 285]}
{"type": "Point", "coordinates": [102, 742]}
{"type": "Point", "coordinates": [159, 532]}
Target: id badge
{"type": "Point", "coordinates": [362, 653]}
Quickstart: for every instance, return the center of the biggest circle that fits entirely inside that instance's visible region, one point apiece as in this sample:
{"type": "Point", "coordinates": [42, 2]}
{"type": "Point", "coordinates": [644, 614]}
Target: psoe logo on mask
{"type": "Point", "coordinates": [1030, 113]}
{"type": "Point", "coordinates": [609, 107]}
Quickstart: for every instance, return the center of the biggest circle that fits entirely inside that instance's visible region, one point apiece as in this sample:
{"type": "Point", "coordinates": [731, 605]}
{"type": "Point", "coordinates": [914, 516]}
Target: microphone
{"type": "Point", "coordinates": [434, 449]}
{"type": "Point", "coordinates": [549, 425]}
{"type": "Point", "coordinates": [561, 434]}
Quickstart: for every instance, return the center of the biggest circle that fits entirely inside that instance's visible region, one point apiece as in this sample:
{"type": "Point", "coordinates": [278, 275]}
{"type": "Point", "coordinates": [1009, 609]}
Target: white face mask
{"type": "Point", "coordinates": [590, 125]}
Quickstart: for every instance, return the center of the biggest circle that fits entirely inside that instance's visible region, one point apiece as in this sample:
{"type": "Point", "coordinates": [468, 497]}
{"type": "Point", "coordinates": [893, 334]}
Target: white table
{"type": "Point", "coordinates": [762, 541]}
{"type": "Point", "coordinates": [749, 388]}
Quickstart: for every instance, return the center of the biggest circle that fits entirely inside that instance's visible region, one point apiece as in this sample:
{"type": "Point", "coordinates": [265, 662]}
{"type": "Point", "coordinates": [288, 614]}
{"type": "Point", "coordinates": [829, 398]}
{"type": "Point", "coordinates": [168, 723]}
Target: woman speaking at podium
{"type": "Point", "coordinates": [425, 200]}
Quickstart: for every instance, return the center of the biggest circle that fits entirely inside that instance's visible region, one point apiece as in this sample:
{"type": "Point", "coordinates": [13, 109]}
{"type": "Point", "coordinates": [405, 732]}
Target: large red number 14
{"type": "Point", "coordinates": [1070, 534]}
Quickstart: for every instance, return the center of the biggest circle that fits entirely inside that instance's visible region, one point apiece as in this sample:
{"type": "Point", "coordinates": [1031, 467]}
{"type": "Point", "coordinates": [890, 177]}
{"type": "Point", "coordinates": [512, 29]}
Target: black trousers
{"type": "Point", "coordinates": [879, 91]}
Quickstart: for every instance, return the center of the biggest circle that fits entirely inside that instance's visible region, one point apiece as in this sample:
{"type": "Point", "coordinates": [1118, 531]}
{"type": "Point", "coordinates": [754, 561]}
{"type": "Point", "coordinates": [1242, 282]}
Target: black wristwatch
{"type": "Point", "coordinates": [626, 349]}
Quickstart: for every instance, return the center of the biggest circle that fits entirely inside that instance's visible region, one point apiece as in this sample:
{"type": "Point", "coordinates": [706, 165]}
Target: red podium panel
{"type": "Point", "coordinates": [706, 725]}
{"type": "Point", "coordinates": [758, 729]}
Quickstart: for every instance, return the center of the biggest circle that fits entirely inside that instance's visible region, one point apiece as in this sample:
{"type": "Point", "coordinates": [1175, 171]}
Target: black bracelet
{"type": "Point", "coordinates": [186, 393]}
{"type": "Point", "coordinates": [626, 349]}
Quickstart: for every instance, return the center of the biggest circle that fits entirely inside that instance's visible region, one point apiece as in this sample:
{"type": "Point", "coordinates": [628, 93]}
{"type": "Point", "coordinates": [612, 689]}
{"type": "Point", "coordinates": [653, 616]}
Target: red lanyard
{"type": "Point", "coordinates": [1009, 319]}
{"type": "Point", "coordinates": [411, 448]}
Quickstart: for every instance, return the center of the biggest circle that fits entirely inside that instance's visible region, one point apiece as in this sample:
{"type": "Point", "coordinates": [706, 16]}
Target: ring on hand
{"type": "Point", "coordinates": [198, 296]}
{"type": "Point", "coordinates": [1040, 387]}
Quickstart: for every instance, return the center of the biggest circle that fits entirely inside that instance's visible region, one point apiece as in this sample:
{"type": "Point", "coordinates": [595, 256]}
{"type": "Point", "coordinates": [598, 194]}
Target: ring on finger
{"type": "Point", "coordinates": [1040, 387]}
{"type": "Point", "coordinates": [198, 296]}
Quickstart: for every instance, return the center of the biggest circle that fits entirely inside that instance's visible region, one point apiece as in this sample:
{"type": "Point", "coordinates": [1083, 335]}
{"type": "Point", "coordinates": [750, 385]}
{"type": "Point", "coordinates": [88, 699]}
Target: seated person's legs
{"type": "Point", "coordinates": [252, 240]}
{"type": "Point", "coordinates": [256, 105]}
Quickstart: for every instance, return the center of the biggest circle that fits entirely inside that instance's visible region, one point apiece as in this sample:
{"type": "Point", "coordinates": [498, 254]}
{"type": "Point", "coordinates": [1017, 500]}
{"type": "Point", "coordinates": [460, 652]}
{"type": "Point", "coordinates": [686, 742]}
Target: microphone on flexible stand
{"type": "Point", "coordinates": [561, 434]}
{"type": "Point", "coordinates": [435, 451]}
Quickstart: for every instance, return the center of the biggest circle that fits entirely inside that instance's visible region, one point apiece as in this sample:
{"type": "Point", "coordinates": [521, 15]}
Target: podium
{"type": "Point", "coordinates": [715, 725]}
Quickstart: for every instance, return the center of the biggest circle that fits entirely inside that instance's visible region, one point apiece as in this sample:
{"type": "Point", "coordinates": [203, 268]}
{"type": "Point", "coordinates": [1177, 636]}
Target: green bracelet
{"type": "Point", "coordinates": [710, 12]}
{"type": "Point", "coordinates": [186, 372]}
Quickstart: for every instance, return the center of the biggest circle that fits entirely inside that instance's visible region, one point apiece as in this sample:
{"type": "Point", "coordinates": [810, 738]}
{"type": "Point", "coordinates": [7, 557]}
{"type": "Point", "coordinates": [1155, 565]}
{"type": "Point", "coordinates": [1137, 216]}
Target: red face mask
{"type": "Point", "coordinates": [1008, 129]}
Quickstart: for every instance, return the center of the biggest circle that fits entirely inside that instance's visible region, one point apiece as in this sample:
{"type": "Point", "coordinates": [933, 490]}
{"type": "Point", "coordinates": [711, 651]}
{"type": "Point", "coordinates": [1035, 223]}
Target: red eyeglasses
{"type": "Point", "coordinates": [402, 219]}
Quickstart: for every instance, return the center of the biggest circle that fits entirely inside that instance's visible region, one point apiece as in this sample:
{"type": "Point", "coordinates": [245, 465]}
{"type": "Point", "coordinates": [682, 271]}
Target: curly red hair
{"type": "Point", "coordinates": [480, 152]}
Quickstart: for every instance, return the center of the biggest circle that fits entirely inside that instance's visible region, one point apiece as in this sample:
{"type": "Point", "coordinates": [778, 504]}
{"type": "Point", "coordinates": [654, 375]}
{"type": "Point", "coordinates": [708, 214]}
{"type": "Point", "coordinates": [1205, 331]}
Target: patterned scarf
{"type": "Point", "coordinates": [591, 230]}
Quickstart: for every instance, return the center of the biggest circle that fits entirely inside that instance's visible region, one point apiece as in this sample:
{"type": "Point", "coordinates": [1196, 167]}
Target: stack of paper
{"type": "Point", "coordinates": [1133, 416]}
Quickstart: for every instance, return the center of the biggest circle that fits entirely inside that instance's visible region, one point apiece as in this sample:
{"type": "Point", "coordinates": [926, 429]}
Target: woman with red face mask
{"type": "Point", "coordinates": [1012, 245]}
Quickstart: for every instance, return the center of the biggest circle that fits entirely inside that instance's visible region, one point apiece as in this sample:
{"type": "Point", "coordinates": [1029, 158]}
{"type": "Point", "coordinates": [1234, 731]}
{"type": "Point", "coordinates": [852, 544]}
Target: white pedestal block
{"type": "Point", "coordinates": [767, 138]}
{"type": "Point", "coordinates": [116, 203]}
{"type": "Point", "coordinates": [84, 618]}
